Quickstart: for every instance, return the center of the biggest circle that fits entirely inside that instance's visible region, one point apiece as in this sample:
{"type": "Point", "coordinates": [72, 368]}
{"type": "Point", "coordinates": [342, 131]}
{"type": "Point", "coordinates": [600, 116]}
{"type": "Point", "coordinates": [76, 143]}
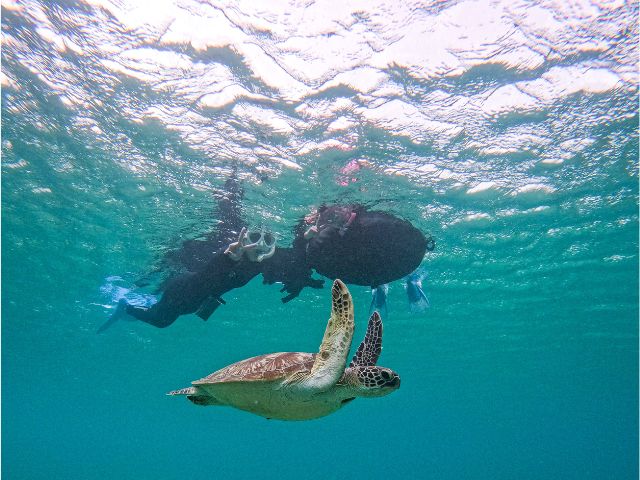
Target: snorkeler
{"type": "Point", "coordinates": [362, 247]}
{"type": "Point", "coordinates": [194, 253]}
{"type": "Point", "coordinates": [201, 292]}
{"type": "Point", "coordinates": [349, 242]}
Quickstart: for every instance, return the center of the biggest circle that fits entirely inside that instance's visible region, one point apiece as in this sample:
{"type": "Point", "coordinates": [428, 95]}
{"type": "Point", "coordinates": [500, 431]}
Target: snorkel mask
{"type": "Point", "coordinates": [259, 244]}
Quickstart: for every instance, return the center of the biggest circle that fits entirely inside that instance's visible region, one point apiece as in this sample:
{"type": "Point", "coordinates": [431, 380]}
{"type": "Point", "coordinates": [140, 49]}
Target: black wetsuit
{"type": "Point", "coordinates": [374, 249]}
{"type": "Point", "coordinates": [289, 267]}
{"type": "Point", "coordinates": [195, 253]}
{"type": "Point", "coordinates": [199, 272]}
{"type": "Point", "coordinates": [197, 292]}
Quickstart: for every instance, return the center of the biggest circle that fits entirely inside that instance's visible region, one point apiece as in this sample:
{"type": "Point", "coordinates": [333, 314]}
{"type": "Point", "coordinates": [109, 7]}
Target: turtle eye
{"type": "Point", "coordinates": [269, 239]}
{"type": "Point", "coordinates": [254, 237]}
{"type": "Point", "coordinates": [385, 375]}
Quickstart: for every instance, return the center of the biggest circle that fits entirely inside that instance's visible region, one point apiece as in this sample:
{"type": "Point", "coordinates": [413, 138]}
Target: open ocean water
{"type": "Point", "coordinates": [506, 129]}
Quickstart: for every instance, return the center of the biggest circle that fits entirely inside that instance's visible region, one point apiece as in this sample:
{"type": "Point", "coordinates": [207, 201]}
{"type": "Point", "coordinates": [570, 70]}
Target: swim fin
{"type": "Point", "coordinates": [121, 311]}
{"type": "Point", "coordinates": [418, 301]}
{"type": "Point", "coordinates": [379, 299]}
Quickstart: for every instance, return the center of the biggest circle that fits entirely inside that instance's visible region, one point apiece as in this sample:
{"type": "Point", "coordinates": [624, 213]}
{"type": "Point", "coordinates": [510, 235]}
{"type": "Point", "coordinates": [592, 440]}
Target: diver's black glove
{"type": "Point", "coordinates": [289, 266]}
{"type": "Point", "coordinates": [295, 289]}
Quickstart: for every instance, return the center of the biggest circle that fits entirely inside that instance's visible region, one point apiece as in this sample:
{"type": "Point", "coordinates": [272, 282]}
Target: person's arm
{"type": "Point", "coordinates": [289, 267]}
{"type": "Point", "coordinates": [230, 268]}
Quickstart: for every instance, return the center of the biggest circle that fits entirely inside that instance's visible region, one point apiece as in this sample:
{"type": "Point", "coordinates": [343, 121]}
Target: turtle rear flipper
{"type": "Point", "coordinates": [329, 364]}
{"type": "Point", "coordinates": [183, 391]}
{"type": "Point", "coordinates": [196, 396]}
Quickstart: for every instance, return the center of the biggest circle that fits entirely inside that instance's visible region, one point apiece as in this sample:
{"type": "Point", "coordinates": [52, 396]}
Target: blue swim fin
{"type": "Point", "coordinates": [379, 299]}
{"type": "Point", "coordinates": [124, 296]}
{"type": "Point", "coordinates": [418, 301]}
{"type": "Point", "coordinates": [121, 311]}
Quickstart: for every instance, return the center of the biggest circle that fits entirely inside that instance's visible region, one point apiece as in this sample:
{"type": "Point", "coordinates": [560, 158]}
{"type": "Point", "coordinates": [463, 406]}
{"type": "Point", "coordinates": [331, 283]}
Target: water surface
{"type": "Point", "coordinates": [508, 130]}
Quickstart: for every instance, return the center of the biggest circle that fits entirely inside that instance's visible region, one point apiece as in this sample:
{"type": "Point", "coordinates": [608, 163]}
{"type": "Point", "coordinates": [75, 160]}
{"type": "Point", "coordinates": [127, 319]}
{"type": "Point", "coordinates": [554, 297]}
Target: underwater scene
{"type": "Point", "coordinates": [319, 239]}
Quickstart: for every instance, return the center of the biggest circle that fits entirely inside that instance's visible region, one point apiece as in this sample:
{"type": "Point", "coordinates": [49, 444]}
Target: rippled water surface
{"type": "Point", "coordinates": [508, 130]}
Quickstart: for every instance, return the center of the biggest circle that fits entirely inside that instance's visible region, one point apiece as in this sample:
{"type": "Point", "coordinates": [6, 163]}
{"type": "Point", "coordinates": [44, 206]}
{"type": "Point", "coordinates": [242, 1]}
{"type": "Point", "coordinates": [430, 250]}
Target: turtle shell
{"type": "Point", "coordinates": [265, 368]}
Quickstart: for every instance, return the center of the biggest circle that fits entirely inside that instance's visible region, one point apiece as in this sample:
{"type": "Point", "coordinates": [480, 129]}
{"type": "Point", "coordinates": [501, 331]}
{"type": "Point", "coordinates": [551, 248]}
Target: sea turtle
{"type": "Point", "coordinates": [302, 386]}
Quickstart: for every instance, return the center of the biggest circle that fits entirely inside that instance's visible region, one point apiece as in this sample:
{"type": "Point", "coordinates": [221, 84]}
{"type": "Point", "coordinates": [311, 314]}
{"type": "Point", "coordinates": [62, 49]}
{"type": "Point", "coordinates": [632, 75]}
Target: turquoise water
{"type": "Point", "coordinates": [508, 131]}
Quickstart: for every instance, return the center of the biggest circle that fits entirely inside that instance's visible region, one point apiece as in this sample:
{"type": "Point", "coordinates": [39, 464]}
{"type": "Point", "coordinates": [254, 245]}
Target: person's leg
{"type": "Point", "coordinates": [159, 315]}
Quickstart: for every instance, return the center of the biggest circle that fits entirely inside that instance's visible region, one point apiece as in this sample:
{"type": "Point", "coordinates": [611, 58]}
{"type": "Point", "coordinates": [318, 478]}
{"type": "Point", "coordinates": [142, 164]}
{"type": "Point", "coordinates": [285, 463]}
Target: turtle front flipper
{"type": "Point", "coordinates": [330, 361]}
{"type": "Point", "coordinates": [371, 347]}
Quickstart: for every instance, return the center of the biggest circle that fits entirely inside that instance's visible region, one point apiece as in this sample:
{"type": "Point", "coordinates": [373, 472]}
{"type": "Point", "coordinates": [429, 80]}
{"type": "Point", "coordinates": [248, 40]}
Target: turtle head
{"type": "Point", "coordinates": [371, 381]}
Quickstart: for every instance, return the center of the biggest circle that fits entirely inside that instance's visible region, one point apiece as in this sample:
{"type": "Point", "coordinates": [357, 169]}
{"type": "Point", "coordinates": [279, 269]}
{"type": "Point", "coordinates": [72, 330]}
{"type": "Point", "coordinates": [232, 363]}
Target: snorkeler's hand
{"type": "Point", "coordinates": [313, 231]}
{"type": "Point", "coordinates": [254, 250]}
{"type": "Point", "coordinates": [295, 289]}
{"type": "Point", "coordinates": [313, 283]}
{"type": "Point", "coordinates": [339, 218]}
{"type": "Point", "coordinates": [235, 250]}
